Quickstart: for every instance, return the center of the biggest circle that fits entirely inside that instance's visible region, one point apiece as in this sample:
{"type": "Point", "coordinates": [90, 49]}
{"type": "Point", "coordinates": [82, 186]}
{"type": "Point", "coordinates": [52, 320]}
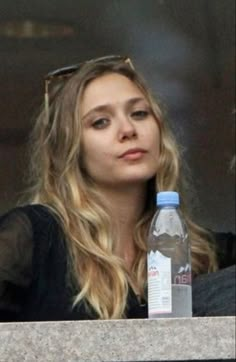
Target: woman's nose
{"type": "Point", "coordinates": [127, 129]}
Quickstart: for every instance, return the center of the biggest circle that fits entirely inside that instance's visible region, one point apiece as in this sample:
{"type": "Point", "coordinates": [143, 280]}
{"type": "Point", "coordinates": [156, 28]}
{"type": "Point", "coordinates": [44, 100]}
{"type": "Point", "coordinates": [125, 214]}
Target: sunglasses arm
{"type": "Point", "coordinates": [46, 101]}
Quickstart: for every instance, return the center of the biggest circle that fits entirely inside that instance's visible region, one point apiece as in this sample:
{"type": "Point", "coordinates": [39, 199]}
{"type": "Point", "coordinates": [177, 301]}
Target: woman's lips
{"type": "Point", "coordinates": [133, 154]}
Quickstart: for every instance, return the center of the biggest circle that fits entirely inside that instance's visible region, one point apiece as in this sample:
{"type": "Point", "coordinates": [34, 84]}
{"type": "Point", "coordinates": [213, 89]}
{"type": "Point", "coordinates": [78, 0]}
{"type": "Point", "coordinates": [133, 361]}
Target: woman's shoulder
{"type": "Point", "coordinates": [36, 221]}
{"type": "Point", "coordinates": [31, 228]}
{"type": "Point", "coordinates": [37, 214]}
{"type": "Point", "coordinates": [36, 211]}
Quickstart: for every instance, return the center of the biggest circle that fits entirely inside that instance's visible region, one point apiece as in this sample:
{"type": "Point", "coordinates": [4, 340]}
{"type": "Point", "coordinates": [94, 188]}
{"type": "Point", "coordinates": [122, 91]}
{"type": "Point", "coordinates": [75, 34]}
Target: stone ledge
{"type": "Point", "coordinates": [208, 338]}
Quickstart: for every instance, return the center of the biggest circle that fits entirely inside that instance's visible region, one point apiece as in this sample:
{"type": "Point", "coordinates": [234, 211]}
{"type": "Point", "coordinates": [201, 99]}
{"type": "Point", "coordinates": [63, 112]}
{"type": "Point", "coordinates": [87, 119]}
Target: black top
{"type": "Point", "coordinates": [33, 269]}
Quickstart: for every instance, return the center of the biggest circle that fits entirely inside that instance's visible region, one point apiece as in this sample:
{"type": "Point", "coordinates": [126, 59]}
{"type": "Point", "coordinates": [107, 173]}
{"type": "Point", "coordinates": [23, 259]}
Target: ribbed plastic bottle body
{"type": "Point", "coordinates": [169, 266]}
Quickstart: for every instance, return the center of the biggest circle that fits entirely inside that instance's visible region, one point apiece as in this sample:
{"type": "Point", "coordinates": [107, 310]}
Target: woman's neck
{"type": "Point", "coordinates": [125, 206]}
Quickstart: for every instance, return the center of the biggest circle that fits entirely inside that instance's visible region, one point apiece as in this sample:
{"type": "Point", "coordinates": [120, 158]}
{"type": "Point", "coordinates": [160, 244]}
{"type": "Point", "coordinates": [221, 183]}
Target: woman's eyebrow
{"type": "Point", "coordinates": [101, 108]}
{"type": "Point", "coordinates": [105, 107]}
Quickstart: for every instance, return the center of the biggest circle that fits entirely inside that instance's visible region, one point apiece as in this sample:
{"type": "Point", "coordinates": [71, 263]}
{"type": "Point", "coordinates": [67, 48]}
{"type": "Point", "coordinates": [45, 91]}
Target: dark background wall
{"type": "Point", "coordinates": [185, 49]}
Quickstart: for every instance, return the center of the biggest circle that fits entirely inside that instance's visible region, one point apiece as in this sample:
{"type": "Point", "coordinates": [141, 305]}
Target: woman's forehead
{"type": "Point", "coordinates": [108, 89]}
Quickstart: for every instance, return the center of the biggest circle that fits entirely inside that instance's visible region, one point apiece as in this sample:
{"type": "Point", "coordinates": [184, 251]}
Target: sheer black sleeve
{"type": "Point", "coordinates": [16, 248]}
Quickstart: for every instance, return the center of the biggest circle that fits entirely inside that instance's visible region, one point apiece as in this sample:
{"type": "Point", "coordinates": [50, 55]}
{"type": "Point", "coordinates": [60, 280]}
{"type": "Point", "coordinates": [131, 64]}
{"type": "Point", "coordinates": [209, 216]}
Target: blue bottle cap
{"type": "Point", "coordinates": [167, 198]}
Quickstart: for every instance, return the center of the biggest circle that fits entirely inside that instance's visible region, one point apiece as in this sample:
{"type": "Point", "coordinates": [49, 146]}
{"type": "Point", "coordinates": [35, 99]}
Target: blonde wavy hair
{"type": "Point", "coordinates": [59, 181]}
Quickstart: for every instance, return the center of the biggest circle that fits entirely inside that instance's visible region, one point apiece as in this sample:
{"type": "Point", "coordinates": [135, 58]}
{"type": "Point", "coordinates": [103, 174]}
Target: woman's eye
{"type": "Point", "coordinates": [100, 123]}
{"type": "Point", "coordinates": [141, 114]}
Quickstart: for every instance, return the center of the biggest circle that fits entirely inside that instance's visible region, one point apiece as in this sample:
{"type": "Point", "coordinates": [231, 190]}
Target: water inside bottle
{"type": "Point", "coordinates": [181, 303]}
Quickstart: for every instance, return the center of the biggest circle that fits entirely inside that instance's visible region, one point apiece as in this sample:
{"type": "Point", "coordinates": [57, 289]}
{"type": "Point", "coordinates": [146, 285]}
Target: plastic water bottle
{"type": "Point", "coordinates": [169, 261]}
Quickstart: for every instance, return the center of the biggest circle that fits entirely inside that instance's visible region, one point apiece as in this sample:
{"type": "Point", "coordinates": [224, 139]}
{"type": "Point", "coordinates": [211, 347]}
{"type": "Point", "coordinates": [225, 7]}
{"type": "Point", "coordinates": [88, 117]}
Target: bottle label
{"type": "Point", "coordinates": [159, 283]}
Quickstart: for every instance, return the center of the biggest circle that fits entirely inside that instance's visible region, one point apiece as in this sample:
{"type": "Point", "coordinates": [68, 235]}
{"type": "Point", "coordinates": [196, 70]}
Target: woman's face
{"type": "Point", "coordinates": [120, 136]}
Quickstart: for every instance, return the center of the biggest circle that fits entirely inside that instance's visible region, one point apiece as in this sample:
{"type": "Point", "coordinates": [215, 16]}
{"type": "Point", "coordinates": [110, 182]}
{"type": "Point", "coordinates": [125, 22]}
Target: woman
{"type": "Point", "coordinates": [101, 150]}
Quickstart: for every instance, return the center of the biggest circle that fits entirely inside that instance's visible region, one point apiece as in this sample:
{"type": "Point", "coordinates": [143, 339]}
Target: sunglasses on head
{"type": "Point", "coordinates": [67, 72]}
